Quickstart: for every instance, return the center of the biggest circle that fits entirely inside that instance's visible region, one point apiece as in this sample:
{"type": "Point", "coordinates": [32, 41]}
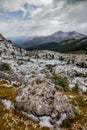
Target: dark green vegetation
{"type": "Point", "coordinates": [4, 67]}
{"type": "Point", "coordinates": [73, 45]}
{"type": "Point", "coordinates": [58, 79]}
{"type": "Point", "coordinates": [62, 81]}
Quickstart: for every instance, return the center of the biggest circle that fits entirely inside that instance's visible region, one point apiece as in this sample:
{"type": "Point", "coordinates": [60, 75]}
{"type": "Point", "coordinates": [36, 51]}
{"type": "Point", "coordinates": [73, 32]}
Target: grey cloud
{"type": "Point", "coordinates": [69, 1]}
{"type": "Point", "coordinates": [75, 1]}
{"type": "Point", "coordinates": [65, 15]}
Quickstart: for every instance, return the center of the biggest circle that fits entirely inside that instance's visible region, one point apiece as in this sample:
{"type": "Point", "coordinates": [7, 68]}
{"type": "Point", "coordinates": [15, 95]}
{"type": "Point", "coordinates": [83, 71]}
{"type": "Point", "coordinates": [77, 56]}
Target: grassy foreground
{"type": "Point", "coordinates": [11, 119]}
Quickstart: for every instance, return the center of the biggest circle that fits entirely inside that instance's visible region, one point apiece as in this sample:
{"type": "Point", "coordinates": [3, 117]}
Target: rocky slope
{"type": "Point", "coordinates": [49, 87]}
{"type": "Point", "coordinates": [1, 38]}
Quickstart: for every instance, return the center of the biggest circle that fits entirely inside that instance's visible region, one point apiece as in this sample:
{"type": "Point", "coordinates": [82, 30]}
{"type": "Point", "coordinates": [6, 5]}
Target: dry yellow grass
{"type": "Point", "coordinates": [80, 120]}
{"type": "Point", "coordinates": [8, 93]}
{"type": "Point", "coordinates": [11, 119]}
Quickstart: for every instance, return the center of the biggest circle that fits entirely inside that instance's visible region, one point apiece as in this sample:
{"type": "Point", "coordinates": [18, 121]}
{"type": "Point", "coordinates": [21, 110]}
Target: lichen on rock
{"type": "Point", "coordinates": [44, 100]}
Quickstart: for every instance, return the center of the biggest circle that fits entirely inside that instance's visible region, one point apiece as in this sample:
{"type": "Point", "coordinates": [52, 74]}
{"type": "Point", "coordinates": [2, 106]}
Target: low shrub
{"type": "Point", "coordinates": [76, 88]}
{"type": "Point", "coordinates": [82, 65]}
{"type": "Point", "coordinates": [4, 67]}
{"type": "Point", "coordinates": [61, 80]}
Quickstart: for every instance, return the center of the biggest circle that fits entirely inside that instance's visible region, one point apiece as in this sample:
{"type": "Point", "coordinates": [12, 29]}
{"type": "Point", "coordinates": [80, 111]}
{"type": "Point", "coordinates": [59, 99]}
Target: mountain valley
{"type": "Point", "coordinates": [59, 41]}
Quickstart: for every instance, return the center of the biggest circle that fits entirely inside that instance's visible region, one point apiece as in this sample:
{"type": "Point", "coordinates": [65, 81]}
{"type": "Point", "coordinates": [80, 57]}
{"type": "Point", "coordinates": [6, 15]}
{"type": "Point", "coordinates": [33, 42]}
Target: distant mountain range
{"type": "Point", "coordinates": [56, 37]}
{"type": "Point", "coordinates": [60, 41]}
{"type": "Point", "coordinates": [71, 42]}
{"type": "Point", "coordinates": [73, 45]}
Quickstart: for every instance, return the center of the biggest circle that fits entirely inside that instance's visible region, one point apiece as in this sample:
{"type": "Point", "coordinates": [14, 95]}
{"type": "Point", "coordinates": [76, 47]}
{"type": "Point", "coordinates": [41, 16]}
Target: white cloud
{"type": "Point", "coordinates": [49, 12]}
{"type": "Point", "coordinates": [15, 5]}
{"type": "Point", "coordinates": [48, 17]}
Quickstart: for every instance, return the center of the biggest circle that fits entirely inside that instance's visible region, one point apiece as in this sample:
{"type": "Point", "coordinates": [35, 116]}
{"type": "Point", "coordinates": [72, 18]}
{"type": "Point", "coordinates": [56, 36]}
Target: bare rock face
{"type": "Point", "coordinates": [44, 100]}
{"type": "Point", "coordinates": [1, 37]}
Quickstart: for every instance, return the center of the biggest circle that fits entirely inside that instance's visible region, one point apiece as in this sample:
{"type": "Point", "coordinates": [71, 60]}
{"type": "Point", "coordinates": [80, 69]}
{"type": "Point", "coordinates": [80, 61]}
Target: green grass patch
{"type": "Point", "coordinates": [62, 81]}
{"type": "Point", "coordinates": [4, 67]}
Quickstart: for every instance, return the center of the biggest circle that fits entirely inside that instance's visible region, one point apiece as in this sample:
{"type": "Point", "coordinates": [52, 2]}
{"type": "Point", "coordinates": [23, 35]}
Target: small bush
{"type": "Point", "coordinates": [12, 53]}
{"type": "Point", "coordinates": [4, 67]}
{"type": "Point", "coordinates": [76, 88]}
{"type": "Point", "coordinates": [61, 58]}
{"type": "Point", "coordinates": [49, 67]}
{"type": "Point", "coordinates": [62, 81]}
{"type": "Point", "coordinates": [37, 56]}
{"type": "Point", "coordinates": [82, 65]}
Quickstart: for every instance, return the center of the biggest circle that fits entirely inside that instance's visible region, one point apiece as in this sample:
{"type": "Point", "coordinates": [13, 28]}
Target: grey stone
{"type": "Point", "coordinates": [44, 100]}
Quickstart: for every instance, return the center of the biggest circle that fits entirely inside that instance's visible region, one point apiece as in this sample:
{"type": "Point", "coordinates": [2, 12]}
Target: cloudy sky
{"type": "Point", "coordinates": [42, 17]}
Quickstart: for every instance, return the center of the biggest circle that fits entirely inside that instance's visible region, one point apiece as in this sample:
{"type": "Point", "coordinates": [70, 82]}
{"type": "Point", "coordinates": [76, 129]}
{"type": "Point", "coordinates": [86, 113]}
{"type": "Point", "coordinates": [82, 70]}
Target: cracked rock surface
{"type": "Point", "coordinates": [44, 100]}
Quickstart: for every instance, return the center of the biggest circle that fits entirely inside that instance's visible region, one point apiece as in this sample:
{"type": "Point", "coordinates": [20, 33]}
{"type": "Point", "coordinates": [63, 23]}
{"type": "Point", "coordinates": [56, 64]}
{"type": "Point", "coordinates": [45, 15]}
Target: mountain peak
{"type": "Point", "coordinates": [57, 37]}
{"type": "Point", "coordinates": [68, 33]}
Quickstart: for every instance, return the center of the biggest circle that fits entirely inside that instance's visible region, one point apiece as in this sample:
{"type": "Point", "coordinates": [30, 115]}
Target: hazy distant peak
{"type": "Point", "coordinates": [68, 34]}
{"type": "Point", "coordinates": [55, 37]}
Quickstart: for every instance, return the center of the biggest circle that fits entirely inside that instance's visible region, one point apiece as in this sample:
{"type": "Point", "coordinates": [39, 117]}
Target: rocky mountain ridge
{"type": "Point", "coordinates": [55, 37]}
{"type": "Point", "coordinates": [67, 46]}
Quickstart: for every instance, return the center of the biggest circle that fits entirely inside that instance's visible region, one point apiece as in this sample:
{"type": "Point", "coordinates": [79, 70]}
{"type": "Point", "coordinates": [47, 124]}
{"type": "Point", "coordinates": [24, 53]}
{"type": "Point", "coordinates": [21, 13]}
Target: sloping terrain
{"type": "Point", "coordinates": [41, 90]}
{"type": "Point", "coordinates": [73, 45]}
{"type": "Point", "coordinates": [56, 37]}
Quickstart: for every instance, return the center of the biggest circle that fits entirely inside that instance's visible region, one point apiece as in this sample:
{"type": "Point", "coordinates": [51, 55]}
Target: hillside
{"type": "Point", "coordinates": [73, 45]}
{"type": "Point", "coordinates": [42, 90]}
{"type": "Point", "coordinates": [56, 37]}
